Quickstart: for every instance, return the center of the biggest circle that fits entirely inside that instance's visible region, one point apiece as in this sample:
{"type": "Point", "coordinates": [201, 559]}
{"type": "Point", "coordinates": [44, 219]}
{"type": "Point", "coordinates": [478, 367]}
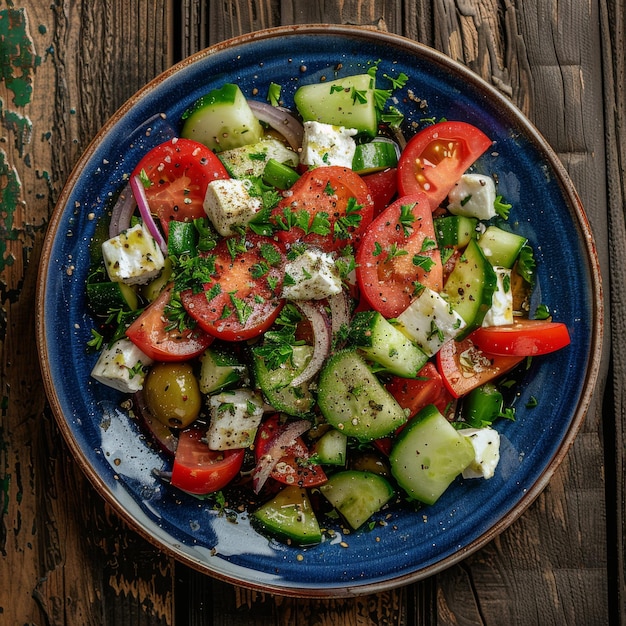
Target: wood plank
{"type": "Point", "coordinates": [66, 558]}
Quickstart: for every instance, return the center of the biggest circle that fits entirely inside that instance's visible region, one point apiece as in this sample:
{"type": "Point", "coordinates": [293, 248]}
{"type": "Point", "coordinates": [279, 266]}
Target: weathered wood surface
{"type": "Point", "coordinates": [65, 557]}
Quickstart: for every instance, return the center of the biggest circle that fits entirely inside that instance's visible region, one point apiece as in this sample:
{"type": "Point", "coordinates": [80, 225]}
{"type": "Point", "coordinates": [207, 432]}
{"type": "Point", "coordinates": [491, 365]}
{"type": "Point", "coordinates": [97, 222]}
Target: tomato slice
{"type": "Point", "coordinates": [179, 171]}
{"type": "Point", "coordinates": [436, 157]}
{"type": "Point", "coordinates": [199, 470]}
{"type": "Point", "coordinates": [243, 299]}
{"type": "Point", "coordinates": [398, 251]}
{"type": "Point", "coordinates": [382, 186]}
{"type": "Point", "coordinates": [523, 337]}
{"type": "Point", "coordinates": [293, 467]}
{"type": "Point", "coordinates": [150, 332]}
{"type": "Point", "coordinates": [335, 191]}
{"type": "Point", "coordinates": [464, 366]}
{"type": "Point", "coordinates": [413, 394]}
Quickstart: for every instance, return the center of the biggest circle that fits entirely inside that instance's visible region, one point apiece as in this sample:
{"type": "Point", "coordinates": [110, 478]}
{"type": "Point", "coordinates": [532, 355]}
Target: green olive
{"type": "Point", "coordinates": [370, 461]}
{"type": "Point", "coordinates": [172, 394]}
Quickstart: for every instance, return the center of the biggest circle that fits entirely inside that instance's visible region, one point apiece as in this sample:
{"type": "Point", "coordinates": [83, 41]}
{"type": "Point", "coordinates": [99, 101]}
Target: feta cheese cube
{"type": "Point", "coordinates": [501, 311]}
{"type": "Point", "coordinates": [311, 276]}
{"type": "Point", "coordinates": [486, 443]}
{"type": "Point", "coordinates": [122, 366]}
{"type": "Point", "coordinates": [235, 418]}
{"type": "Point", "coordinates": [325, 144]}
{"type": "Point", "coordinates": [429, 321]}
{"type": "Point", "coordinates": [133, 257]}
{"type": "Point", "coordinates": [474, 195]}
{"type": "Point", "coordinates": [228, 203]}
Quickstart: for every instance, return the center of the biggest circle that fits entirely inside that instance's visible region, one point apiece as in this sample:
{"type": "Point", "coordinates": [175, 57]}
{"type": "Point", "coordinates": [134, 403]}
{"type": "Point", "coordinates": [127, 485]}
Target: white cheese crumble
{"type": "Point", "coordinates": [228, 203]}
{"type": "Point", "coordinates": [235, 418]}
{"type": "Point", "coordinates": [311, 276]}
{"type": "Point", "coordinates": [473, 195]}
{"type": "Point", "coordinates": [133, 257]}
{"type": "Point", "coordinates": [122, 366]}
{"type": "Point", "coordinates": [486, 443]}
{"type": "Point", "coordinates": [501, 311]}
{"type": "Point", "coordinates": [429, 321]}
{"type": "Point", "coordinates": [325, 144]}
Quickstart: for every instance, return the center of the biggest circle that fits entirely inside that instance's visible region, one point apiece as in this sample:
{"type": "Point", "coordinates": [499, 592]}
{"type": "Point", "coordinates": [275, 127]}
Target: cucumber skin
{"type": "Point", "coordinates": [470, 287]}
{"type": "Point", "coordinates": [425, 477]}
{"type": "Point", "coordinates": [357, 495]}
{"type": "Point", "coordinates": [289, 517]}
{"type": "Point", "coordinates": [320, 102]}
{"type": "Point", "coordinates": [501, 247]}
{"type": "Point", "coordinates": [386, 345]}
{"type": "Point", "coordinates": [354, 401]}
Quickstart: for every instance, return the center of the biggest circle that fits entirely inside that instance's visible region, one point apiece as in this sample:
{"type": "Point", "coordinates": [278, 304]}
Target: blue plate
{"type": "Point", "coordinates": [412, 545]}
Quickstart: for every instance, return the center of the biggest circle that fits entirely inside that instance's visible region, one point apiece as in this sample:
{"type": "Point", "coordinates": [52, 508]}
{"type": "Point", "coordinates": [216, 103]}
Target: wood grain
{"type": "Point", "coordinates": [65, 557]}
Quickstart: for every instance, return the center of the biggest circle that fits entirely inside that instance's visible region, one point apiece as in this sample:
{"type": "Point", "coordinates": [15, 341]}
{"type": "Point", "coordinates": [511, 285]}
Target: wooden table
{"type": "Point", "coordinates": [65, 557]}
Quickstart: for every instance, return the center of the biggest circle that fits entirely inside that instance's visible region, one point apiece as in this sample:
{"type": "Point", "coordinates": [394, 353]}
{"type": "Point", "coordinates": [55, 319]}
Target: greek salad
{"type": "Point", "coordinates": [311, 313]}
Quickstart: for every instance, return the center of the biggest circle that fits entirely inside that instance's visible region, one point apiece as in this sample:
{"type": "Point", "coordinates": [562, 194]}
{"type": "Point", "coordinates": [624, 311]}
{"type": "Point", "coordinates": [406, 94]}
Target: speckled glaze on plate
{"type": "Point", "coordinates": [412, 545]}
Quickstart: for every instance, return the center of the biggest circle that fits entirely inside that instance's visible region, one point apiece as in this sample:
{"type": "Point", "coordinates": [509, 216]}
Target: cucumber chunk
{"type": "Point", "coordinates": [331, 448]}
{"type": "Point", "coordinates": [348, 102]}
{"type": "Point", "coordinates": [374, 156]}
{"type": "Point", "coordinates": [454, 231]}
{"type": "Point", "coordinates": [501, 247]}
{"type": "Point", "coordinates": [276, 383]}
{"type": "Point", "coordinates": [106, 296]}
{"type": "Point", "coordinates": [289, 517]}
{"type": "Point", "coordinates": [470, 287]}
{"type": "Point", "coordinates": [428, 455]}
{"type": "Point", "coordinates": [386, 345]}
{"type": "Point", "coordinates": [251, 160]}
{"type": "Point", "coordinates": [357, 495]}
{"type": "Point", "coordinates": [222, 120]}
{"type": "Point", "coordinates": [354, 401]}
{"type": "Point", "coordinates": [219, 370]}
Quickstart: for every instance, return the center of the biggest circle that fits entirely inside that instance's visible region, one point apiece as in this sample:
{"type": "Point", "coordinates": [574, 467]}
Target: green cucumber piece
{"type": "Point", "coordinates": [152, 290]}
{"type": "Point", "coordinates": [385, 344]}
{"type": "Point", "coordinates": [279, 175]}
{"type": "Point", "coordinates": [470, 287]}
{"type": "Point", "coordinates": [276, 383]}
{"type": "Point", "coordinates": [357, 495]}
{"type": "Point", "coordinates": [249, 161]}
{"type": "Point", "coordinates": [428, 455]}
{"type": "Point", "coordinates": [455, 231]}
{"type": "Point", "coordinates": [331, 448]}
{"type": "Point", "coordinates": [289, 517]}
{"type": "Point", "coordinates": [222, 120]}
{"type": "Point", "coordinates": [182, 238]}
{"type": "Point", "coordinates": [501, 247]}
{"type": "Point", "coordinates": [220, 370]}
{"type": "Point", "coordinates": [374, 156]}
{"type": "Point", "coordinates": [107, 296]}
{"type": "Point", "coordinates": [354, 401]}
{"type": "Point", "coordinates": [348, 102]}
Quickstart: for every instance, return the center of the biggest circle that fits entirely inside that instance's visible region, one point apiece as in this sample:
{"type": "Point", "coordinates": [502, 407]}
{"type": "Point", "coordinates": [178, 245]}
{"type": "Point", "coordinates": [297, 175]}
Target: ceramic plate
{"type": "Point", "coordinates": [412, 545]}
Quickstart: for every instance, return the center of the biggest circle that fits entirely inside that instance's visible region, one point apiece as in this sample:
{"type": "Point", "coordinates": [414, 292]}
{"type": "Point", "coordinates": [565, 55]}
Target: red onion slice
{"type": "Point", "coordinates": [122, 211]}
{"type": "Point", "coordinates": [281, 120]}
{"type": "Point", "coordinates": [276, 450]}
{"type": "Point", "coordinates": [321, 325]}
{"type": "Point", "coordinates": [144, 209]}
{"type": "Point", "coordinates": [339, 315]}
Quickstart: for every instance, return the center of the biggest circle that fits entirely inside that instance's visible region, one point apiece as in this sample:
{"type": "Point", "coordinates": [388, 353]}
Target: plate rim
{"type": "Point", "coordinates": [596, 306]}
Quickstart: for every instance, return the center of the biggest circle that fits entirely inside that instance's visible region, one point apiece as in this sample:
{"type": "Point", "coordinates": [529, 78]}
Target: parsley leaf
{"type": "Point", "coordinates": [273, 94]}
{"type": "Point", "coordinates": [406, 218]}
{"type": "Point", "coordinates": [351, 220]}
{"type": "Point", "coordinates": [278, 342]}
{"type": "Point", "coordinates": [501, 207]}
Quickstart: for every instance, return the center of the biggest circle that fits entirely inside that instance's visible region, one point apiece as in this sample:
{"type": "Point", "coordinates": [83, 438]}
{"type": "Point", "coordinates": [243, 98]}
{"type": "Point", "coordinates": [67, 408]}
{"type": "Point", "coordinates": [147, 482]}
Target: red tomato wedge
{"type": "Point", "coordinates": [435, 159]}
{"type": "Point", "coordinates": [152, 334]}
{"type": "Point", "coordinates": [413, 394]}
{"type": "Point", "coordinates": [464, 366]}
{"type": "Point", "coordinates": [382, 186]}
{"type": "Point", "coordinates": [243, 300]}
{"type": "Point", "coordinates": [398, 251]}
{"type": "Point", "coordinates": [179, 171]}
{"type": "Point", "coordinates": [335, 191]}
{"type": "Point", "coordinates": [293, 467]}
{"type": "Point", "coordinates": [523, 337]}
{"type": "Point", "coordinates": [199, 470]}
